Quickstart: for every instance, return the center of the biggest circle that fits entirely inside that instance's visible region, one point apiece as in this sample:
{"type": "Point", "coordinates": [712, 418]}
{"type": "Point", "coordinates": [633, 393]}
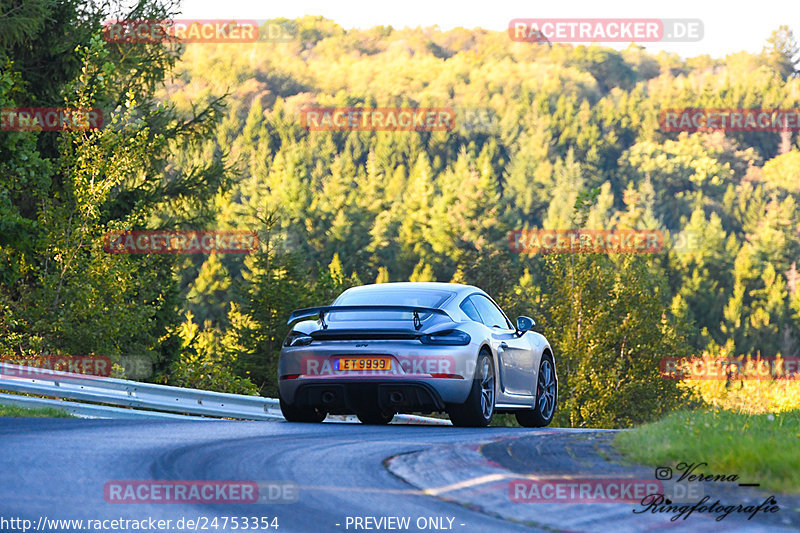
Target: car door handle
{"type": "Point", "coordinates": [503, 345]}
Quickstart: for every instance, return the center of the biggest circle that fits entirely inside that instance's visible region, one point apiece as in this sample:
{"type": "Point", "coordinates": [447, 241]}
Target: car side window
{"type": "Point", "coordinates": [490, 313]}
{"type": "Point", "coordinates": [469, 309]}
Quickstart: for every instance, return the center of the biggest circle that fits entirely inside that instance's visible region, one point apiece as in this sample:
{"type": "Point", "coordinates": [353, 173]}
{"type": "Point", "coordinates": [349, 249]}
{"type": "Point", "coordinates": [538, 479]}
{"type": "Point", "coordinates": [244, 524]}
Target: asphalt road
{"type": "Point", "coordinates": [57, 469]}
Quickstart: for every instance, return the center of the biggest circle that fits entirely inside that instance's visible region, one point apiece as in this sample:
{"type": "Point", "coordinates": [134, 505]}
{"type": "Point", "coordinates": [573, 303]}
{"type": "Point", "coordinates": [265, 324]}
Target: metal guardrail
{"type": "Point", "coordinates": [94, 389]}
{"type": "Point", "coordinates": [161, 401]}
{"type": "Point", "coordinates": [86, 410]}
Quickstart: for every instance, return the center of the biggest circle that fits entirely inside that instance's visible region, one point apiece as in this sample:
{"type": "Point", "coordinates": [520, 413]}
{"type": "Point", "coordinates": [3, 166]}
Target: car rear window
{"type": "Point", "coordinates": [469, 308]}
{"type": "Point", "coordinates": [422, 298]}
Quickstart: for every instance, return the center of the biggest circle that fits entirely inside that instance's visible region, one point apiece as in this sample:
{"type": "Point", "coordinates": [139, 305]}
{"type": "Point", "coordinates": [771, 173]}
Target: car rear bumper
{"type": "Point", "coordinates": [349, 396]}
{"type": "Point", "coordinates": [428, 377]}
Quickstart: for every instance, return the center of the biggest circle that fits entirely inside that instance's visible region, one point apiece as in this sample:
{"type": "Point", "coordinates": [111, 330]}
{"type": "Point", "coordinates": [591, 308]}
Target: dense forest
{"type": "Point", "coordinates": [547, 136]}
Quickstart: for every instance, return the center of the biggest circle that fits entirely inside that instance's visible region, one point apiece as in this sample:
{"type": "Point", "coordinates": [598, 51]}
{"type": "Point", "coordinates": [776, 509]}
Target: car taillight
{"type": "Point", "coordinates": [296, 338]}
{"type": "Point", "coordinates": [451, 337]}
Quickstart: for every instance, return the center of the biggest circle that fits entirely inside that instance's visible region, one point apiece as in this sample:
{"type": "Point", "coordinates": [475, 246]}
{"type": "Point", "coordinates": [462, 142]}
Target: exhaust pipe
{"type": "Point", "coordinates": [396, 397]}
{"type": "Point", "coordinates": [328, 397]}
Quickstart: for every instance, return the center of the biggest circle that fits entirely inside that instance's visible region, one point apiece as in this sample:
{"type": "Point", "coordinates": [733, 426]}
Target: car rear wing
{"type": "Point", "coordinates": [322, 311]}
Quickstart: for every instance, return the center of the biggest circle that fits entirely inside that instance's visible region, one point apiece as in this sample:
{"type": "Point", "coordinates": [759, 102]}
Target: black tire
{"type": "Point", "coordinates": [375, 417]}
{"type": "Point", "coordinates": [546, 397]}
{"type": "Point", "coordinates": [293, 413]}
{"type": "Point", "coordinates": [478, 410]}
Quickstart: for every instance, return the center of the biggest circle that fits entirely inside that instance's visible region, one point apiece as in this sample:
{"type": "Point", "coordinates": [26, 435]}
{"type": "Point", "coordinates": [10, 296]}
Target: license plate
{"type": "Point", "coordinates": [360, 364]}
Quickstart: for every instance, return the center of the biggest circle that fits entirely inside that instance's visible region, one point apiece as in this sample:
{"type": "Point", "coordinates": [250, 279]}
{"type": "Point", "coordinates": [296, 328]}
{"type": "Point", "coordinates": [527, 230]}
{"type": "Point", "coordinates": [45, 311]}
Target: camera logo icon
{"type": "Point", "coordinates": [663, 473]}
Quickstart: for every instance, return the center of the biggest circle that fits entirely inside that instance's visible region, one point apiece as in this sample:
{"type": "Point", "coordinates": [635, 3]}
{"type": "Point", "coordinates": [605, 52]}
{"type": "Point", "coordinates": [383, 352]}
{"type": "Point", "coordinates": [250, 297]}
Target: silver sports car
{"type": "Point", "coordinates": [415, 347]}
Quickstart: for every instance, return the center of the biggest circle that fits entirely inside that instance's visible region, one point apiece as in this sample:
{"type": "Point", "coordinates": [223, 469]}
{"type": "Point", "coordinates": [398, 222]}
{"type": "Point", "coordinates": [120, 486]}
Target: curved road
{"type": "Point", "coordinates": [58, 468]}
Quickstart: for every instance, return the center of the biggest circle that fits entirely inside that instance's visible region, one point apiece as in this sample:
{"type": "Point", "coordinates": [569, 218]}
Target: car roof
{"type": "Point", "coordinates": [457, 288]}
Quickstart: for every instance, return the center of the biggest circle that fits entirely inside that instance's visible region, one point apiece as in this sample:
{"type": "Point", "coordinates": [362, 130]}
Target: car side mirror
{"type": "Point", "coordinates": [524, 324]}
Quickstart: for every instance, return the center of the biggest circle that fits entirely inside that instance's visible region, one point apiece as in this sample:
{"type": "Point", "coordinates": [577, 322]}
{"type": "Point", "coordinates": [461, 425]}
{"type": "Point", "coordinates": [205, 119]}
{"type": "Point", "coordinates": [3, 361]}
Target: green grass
{"type": "Point", "coordinates": [46, 412]}
{"type": "Point", "coordinates": [759, 448]}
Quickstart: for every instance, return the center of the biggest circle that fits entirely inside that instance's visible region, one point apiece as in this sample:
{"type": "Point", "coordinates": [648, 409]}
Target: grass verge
{"type": "Point", "coordinates": [759, 448]}
{"type": "Point", "coordinates": [46, 412]}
